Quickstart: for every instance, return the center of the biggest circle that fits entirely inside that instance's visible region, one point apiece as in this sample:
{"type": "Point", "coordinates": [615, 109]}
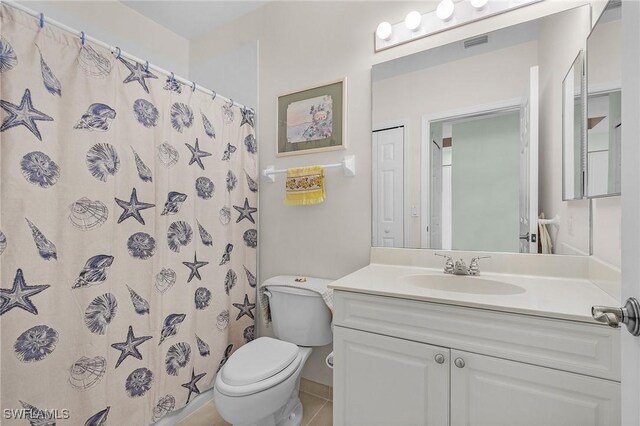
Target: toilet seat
{"type": "Point", "coordinates": [257, 366]}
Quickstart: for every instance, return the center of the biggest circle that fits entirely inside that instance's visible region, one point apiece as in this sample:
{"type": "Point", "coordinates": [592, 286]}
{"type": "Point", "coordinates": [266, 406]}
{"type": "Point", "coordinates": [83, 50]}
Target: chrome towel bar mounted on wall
{"type": "Point", "coordinates": [348, 166]}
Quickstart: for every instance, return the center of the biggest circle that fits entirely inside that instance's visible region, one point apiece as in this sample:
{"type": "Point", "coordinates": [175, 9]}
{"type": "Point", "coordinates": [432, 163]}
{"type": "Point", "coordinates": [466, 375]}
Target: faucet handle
{"type": "Point", "coordinates": [448, 266]}
{"type": "Point", "coordinates": [474, 267]}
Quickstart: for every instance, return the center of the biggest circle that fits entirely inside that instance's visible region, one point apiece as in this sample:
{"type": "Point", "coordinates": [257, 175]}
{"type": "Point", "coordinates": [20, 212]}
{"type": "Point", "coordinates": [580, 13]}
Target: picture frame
{"type": "Point", "coordinates": [312, 120]}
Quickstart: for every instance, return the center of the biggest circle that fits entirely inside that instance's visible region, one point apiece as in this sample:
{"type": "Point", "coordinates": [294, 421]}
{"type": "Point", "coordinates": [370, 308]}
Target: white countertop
{"type": "Point", "coordinates": [562, 298]}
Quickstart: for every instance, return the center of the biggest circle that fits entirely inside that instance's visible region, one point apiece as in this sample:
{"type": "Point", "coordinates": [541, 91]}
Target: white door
{"type": "Point", "coordinates": [388, 194]}
{"type": "Point", "coordinates": [388, 381]}
{"type": "Point", "coordinates": [496, 392]}
{"type": "Point", "coordinates": [529, 166]}
{"type": "Point", "coordinates": [630, 205]}
{"type": "Point", "coordinates": [435, 230]}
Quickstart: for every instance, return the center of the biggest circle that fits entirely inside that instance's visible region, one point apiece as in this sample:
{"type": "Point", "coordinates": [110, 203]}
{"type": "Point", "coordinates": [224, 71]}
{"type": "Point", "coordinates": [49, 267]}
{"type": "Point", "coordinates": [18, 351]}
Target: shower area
{"type": "Point", "coordinates": [128, 230]}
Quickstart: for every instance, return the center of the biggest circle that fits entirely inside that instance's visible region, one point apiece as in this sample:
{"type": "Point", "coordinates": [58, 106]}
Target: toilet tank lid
{"type": "Point", "coordinates": [288, 284]}
{"type": "Point", "coordinates": [258, 360]}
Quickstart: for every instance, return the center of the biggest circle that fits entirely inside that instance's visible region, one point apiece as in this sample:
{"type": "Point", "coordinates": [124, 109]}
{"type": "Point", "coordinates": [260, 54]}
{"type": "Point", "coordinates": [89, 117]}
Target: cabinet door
{"type": "Point", "coordinates": [492, 391]}
{"type": "Point", "coordinates": [380, 380]}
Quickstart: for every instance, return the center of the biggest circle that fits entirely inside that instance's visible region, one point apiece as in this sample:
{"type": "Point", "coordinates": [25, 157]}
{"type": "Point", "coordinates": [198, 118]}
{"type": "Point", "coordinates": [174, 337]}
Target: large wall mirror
{"type": "Point", "coordinates": [604, 99]}
{"type": "Point", "coordinates": [467, 142]}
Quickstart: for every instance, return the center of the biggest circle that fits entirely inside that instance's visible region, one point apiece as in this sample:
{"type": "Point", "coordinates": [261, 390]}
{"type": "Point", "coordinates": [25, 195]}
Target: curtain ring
{"type": "Point", "coordinates": [118, 52]}
{"type": "Point", "coordinates": [193, 86]}
{"type": "Point", "coordinates": [42, 20]}
{"type": "Point", "coordinates": [213, 95]}
{"type": "Point", "coordinates": [82, 38]}
{"type": "Point", "coordinates": [146, 66]}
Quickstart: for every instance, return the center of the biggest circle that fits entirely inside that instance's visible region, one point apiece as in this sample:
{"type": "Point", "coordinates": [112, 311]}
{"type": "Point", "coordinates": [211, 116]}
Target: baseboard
{"type": "Point", "coordinates": [316, 389]}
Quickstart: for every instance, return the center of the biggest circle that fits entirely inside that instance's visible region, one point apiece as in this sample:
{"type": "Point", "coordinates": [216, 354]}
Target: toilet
{"type": "Point", "coordinates": [259, 383]}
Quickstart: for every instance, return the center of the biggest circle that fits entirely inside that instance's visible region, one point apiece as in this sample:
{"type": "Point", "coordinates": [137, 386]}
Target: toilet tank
{"type": "Point", "coordinates": [298, 315]}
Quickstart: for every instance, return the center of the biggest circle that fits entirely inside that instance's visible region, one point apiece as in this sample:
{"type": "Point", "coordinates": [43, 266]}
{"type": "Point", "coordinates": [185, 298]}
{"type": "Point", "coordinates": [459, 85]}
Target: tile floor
{"type": "Point", "coordinates": [317, 412]}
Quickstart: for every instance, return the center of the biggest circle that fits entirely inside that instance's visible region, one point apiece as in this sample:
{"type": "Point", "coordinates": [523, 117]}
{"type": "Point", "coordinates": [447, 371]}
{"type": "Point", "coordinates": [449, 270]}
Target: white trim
{"type": "Point", "coordinates": [404, 123]}
{"type": "Point", "coordinates": [630, 205]}
{"type": "Point", "coordinates": [425, 176]}
{"type": "Point", "coordinates": [534, 155]}
{"type": "Point", "coordinates": [425, 182]}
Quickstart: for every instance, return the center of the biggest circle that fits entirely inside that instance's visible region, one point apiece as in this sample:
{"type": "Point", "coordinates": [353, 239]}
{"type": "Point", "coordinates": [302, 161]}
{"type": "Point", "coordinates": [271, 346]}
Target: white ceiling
{"type": "Point", "coordinates": [191, 19]}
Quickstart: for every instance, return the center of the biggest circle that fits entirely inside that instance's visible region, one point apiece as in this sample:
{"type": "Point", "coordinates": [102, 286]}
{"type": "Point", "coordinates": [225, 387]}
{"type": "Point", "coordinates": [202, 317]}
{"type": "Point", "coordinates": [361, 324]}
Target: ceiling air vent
{"type": "Point", "coordinates": [476, 41]}
{"type": "Point", "coordinates": [613, 4]}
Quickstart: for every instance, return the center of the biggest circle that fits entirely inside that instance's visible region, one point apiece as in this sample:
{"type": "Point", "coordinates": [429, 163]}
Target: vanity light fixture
{"type": "Point", "coordinates": [449, 14]}
{"type": "Point", "coordinates": [479, 4]}
{"type": "Point", "coordinates": [384, 31]}
{"type": "Point", "coordinates": [445, 9]}
{"type": "Point", "coordinates": [413, 20]}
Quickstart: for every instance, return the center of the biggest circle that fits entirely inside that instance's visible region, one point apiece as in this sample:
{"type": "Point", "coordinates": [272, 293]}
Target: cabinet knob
{"type": "Point", "coordinates": [459, 362]}
{"type": "Point", "coordinates": [439, 358]}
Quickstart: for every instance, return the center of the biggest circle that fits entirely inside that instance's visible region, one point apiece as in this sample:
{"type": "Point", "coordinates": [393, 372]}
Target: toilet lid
{"type": "Point", "coordinates": [258, 360]}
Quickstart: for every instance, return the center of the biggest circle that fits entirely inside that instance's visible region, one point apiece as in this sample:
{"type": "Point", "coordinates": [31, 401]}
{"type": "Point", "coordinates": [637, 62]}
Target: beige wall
{"type": "Point", "coordinates": [303, 44]}
{"type": "Point", "coordinates": [605, 66]}
{"type": "Point", "coordinates": [118, 25]}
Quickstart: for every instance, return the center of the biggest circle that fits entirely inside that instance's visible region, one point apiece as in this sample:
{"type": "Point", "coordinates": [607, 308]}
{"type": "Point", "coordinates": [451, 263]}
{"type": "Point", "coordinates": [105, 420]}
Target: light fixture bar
{"type": "Point", "coordinates": [464, 12]}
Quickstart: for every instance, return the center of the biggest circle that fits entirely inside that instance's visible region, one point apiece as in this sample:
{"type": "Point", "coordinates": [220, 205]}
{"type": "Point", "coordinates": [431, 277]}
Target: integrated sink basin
{"type": "Point", "coordinates": [462, 284]}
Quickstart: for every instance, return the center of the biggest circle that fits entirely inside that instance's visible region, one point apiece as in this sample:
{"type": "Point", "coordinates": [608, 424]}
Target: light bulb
{"type": "Point", "coordinates": [384, 31]}
{"type": "Point", "coordinates": [445, 8]}
{"type": "Point", "coordinates": [479, 4]}
{"type": "Point", "coordinates": [413, 20]}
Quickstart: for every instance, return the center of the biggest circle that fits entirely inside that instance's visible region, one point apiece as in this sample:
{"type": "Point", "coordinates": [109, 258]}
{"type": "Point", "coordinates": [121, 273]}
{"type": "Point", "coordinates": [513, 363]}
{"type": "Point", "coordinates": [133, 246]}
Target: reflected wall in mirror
{"type": "Point", "coordinates": [573, 131]}
{"type": "Point", "coordinates": [604, 126]}
{"type": "Point", "coordinates": [467, 142]}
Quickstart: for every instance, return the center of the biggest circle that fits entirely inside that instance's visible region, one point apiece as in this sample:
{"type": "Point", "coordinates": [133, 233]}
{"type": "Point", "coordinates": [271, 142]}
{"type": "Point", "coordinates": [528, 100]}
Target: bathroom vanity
{"type": "Point", "coordinates": [415, 346]}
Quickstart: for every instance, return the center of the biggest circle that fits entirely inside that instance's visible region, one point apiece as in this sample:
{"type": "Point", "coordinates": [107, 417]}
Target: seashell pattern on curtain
{"type": "Point", "coordinates": [128, 232]}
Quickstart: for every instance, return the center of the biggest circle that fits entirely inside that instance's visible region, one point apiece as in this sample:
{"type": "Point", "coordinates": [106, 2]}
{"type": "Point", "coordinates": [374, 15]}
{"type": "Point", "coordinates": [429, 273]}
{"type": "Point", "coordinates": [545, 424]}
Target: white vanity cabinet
{"type": "Point", "coordinates": [389, 381]}
{"type": "Point", "coordinates": [405, 362]}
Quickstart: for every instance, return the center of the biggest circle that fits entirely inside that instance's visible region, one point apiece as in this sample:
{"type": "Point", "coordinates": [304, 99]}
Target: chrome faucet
{"type": "Point", "coordinates": [460, 268]}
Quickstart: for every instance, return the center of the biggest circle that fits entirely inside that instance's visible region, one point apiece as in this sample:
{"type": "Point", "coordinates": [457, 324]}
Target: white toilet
{"type": "Point", "coordinates": [259, 383]}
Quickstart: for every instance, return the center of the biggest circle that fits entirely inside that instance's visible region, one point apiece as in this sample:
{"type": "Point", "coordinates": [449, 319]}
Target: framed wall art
{"type": "Point", "coordinates": [312, 120]}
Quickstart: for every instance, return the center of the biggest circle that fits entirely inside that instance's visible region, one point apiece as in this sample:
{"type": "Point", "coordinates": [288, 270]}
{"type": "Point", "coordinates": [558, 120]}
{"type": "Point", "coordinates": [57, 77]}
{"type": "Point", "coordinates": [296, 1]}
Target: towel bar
{"type": "Point", "coordinates": [348, 166]}
{"type": "Point", "coordinates": [554, 221]}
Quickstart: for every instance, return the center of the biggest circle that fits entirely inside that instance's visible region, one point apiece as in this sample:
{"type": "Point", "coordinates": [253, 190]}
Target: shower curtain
{"type": "Point", "coordinates": [127, 232]}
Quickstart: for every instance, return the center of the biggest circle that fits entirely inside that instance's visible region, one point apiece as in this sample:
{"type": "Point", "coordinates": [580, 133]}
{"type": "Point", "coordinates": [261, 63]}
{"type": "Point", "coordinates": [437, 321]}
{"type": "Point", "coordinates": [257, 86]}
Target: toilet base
{"type": "Point", "coordinates": [289, 415]}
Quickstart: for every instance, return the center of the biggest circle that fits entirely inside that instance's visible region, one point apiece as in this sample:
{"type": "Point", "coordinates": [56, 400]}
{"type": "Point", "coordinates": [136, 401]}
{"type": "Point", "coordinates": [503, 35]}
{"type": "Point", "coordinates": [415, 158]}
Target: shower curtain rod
{"type": "Point", "coordinates": [114, 49]}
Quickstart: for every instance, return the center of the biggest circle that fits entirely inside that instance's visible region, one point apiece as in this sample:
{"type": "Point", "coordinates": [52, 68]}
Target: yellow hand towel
{"type": "Point", "coordinates": [305, 186]}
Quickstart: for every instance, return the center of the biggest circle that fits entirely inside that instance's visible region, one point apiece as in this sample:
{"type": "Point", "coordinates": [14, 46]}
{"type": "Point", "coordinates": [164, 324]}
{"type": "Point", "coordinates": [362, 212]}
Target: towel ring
{"type": "Point", "coordinates": [118, 52]}
{"type": "Point", "coordinates": [82, 38]}
{"type": "Point", "coordinates": [42, 20]}
{"type": "Point", "coordinates": [146, 66]}
{"type": "Point", "coordinates": [193, 86]}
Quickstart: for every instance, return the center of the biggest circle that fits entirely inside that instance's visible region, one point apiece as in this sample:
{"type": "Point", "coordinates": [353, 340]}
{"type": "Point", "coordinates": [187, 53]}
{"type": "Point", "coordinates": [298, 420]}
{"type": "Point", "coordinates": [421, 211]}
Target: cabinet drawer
{"type": "Point", "coordinates": [573, 346]}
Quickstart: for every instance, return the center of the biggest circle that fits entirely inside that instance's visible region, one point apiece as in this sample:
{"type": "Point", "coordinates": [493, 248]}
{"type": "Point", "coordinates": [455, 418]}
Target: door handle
{"type": "Point", "coordinates": [613, 317]}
